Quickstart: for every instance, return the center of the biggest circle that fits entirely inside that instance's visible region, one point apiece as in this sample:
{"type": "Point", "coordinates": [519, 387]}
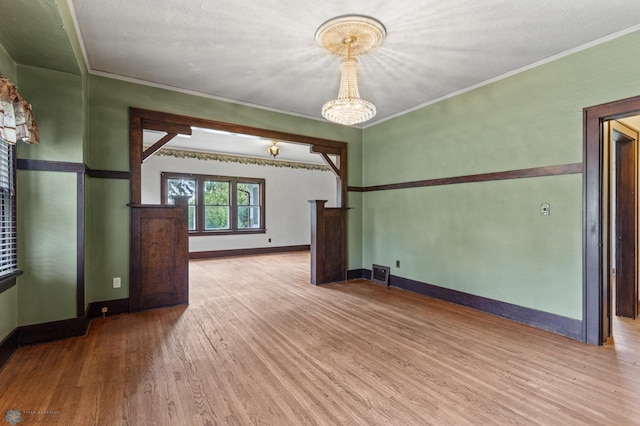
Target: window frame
{"type": "Point", "coordinates": [233, 204]}
{"type": "Point", "coordinates": [7, 277]}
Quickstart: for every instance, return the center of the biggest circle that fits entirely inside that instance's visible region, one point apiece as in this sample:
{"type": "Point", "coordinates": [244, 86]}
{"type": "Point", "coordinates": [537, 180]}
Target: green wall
{"type": "Point", "coordinates": [47, 246]}
{"type": "Point", "coordinates": [489, 238]}
{"type": "Point", "coordinates": [47, 227]}
{"type": "Point", "coordinates": [8, 312]}
{"type": "Point", "coordinates": [109, 102]}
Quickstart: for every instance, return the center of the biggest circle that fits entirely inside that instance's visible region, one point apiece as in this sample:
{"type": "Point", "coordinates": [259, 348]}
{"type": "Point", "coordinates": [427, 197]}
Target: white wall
{"type": "Point", "coordinates": [288, 192]}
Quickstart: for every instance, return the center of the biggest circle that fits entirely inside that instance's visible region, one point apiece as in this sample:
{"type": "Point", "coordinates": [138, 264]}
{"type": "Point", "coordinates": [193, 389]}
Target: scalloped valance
{"type": "Point", "coordinates": [16, 118]}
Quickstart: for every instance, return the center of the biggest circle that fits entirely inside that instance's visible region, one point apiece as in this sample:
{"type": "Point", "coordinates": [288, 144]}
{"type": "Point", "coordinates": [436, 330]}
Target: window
{"type": "Point", "coordinates": [218, 204]}
{"type": "Point", "coordinates": [8, 252]}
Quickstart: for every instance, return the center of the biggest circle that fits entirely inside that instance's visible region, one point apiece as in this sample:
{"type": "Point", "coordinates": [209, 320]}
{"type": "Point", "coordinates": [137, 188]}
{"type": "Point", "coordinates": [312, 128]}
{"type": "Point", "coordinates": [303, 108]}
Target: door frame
{"type": "Point", "coordinates": [140, 119]}
{"type": "Point", "coordinates": [173, 124]}
{"type": "Point", "coordinates": [627, 136]}
{"type": "Point", "coordinates": [595, 287]}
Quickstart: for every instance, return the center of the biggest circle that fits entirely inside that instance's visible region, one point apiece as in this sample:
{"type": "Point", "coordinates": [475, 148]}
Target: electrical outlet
{"type": "Point", "coordinates": [397, 263]}
{"type": "Point", "coordinates": [117, 282]}
{"type": "Point", "coordinates": [269, 239]}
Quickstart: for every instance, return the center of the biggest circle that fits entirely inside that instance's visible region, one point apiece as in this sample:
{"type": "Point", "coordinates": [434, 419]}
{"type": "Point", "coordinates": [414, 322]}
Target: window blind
{"type": "Point", "coordinates": [8, 246]}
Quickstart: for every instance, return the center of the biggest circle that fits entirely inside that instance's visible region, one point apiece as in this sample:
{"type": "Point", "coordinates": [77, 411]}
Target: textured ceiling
{"type": "Point", "coordinates": [263, 53]}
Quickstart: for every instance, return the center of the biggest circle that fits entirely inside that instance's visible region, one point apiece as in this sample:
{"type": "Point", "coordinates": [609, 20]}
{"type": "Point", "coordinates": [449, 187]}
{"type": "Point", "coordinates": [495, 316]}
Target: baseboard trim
{"type": "Point", "coordinates": [8, 346]}
{"type": "Point", "coordinates": [558, 324]}
{"type": "Point", "coordinates": [246, 252]}
{"type": "Point", "coordinates": [354, 274]}
{"type": "Point", "coordinates": [114, 307]}
{"type": "Point", "coordinates": [45, 332]}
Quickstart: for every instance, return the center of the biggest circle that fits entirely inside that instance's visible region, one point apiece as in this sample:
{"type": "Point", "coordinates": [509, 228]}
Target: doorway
{"type": "Point", "coordinates": [333, 152]}
{"type": "Point", "coordinates": [621, 145]}
{"type": "Point", "coordinates": [610, 158]}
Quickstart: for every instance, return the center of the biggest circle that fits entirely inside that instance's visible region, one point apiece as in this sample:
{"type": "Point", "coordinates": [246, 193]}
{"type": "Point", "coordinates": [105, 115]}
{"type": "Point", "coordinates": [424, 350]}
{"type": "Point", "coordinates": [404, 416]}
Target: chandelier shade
{"type": "Point", "coordinates": [349, 36]}
{"type": "Point", "coordinates": [348, 108]}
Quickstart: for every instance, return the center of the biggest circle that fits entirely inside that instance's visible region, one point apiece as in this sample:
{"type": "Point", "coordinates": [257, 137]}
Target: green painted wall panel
{"type": "Point", "coordinates": [487, 239]}
{"type": "Point", "coordinates": [34, 33]}
{"type": "Point", "coordinates": [46, 246]}
{"type": "Point", "coordinates": [8, 67]}
{"type": "Point", "coordinates": [109, 239]}
{"type": "Point", "coordinates": [531, 119]}
{"type": "Point", "coordinates": [57, 104]}
{"type": "Point", "coordinates": [354, 224]}
{"type": "Point", "coordinates": [8, 312]}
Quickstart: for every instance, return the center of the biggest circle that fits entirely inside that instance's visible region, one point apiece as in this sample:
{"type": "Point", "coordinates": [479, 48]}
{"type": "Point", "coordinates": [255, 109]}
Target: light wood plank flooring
{"type": "Point", "coordinates": [259, 345]}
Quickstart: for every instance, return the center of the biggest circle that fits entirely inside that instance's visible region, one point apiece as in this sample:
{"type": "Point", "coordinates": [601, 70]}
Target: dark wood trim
{"type": "Point", "coordinates": [233, 205]}
{"type": "Point", "coordinates": [61, 166]}
{"type": "Point", "coordinates": [9, 281]}
{"type": "Point", "coordinates": [558, 324]}
{"type": "Point", "coordinates": [156, 146]}
{"type": "Point", "coordinates": [354, 274]}
{"type": "Point", "coordinates": [165, 117]}
{"type": "Point", "coordinates": [167, 127]}
{"type": "Point", "coordinates": [50, 166]}
{"type": "Point", "coordinates": [246, 252]}
{"type": "Point", "coordinates": [320, 149]}
{"type": "Point", "coordinates": [107, 174]}
{"type": "Point", "coordinates": [152, 206]}
{"type": "Point", "coordinates": [114, 307]}
{"type": "Point", "coordinates": [138, 118]}
{"type": "Point", "coordinates": [563, 169]}
{"type": "Point", "coordinates": [80, 236]}
{"type": "Point", "coordinates": [226, 232]}
{"type": "Point", "coordinates": [330, 163]}
{"type": "Point", "coordinates": [594, 286]}
{"type": "Point", "coordinates": [135, 156]}
{"type": "Point", "coordinates": [38, 333]}
{"type": "Point", "coordinates": [8, 346]}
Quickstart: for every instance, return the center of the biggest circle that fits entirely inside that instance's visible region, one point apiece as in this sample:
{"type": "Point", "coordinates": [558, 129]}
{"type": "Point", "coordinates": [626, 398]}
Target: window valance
{"type": "Point", "coordinates": [16, 118]}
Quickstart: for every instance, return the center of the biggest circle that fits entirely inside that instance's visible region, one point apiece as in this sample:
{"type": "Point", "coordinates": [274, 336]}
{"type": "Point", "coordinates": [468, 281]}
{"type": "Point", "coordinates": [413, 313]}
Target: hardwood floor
{"type": "Point", "coordinates": [259, 345]}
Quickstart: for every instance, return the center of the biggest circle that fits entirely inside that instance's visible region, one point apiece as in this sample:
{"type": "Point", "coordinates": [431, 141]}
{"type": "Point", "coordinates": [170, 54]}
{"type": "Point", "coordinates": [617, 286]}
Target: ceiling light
{"type": "Point", "coordinates": [349, 36]}
{"type": "Point", "coordinates": [274, 149]}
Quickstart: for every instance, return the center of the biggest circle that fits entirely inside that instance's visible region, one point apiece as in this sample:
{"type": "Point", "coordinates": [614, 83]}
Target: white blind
{"type": "Point", "coordinates": [8, 252]}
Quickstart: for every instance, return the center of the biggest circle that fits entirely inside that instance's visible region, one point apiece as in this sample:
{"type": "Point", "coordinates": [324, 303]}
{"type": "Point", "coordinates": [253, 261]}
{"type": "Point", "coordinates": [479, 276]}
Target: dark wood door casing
{"type": "Point", "coordinates": [626, 228]}
{"type": "Point", "coordinates": [595, 288]}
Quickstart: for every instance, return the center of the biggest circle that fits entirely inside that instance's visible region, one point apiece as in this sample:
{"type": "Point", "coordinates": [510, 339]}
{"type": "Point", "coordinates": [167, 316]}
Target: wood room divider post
{"type": "Point", "coordinates": [328, 243]}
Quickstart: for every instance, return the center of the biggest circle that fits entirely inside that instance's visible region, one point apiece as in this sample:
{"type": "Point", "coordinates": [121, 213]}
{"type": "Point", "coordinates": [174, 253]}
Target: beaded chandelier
{"type": "Point", "coordinates": [348, 37]}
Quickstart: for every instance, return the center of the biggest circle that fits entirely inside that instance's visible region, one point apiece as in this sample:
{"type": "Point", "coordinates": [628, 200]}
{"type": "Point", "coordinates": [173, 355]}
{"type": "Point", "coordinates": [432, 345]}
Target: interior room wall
{"type": "Point", "coordinates": [47, 201]}
{"type": "Point", "coordinates": [109, 103]}
{"type": "Point", "coordinates": [489, 238]}
{"type": "Point", "coordinates": [287, 193]}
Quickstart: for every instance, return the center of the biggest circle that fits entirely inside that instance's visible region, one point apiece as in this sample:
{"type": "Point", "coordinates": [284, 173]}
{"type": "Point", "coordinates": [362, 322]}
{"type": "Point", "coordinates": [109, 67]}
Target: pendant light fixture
{"type": "Point", "coordinates": [350, 36]}
{"type": "Point", "coordinates": [274, 149]}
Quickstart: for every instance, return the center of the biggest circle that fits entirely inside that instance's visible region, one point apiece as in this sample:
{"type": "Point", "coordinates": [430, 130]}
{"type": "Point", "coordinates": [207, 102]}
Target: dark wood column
{"type": "Point", "coordinates": [328, 243]}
